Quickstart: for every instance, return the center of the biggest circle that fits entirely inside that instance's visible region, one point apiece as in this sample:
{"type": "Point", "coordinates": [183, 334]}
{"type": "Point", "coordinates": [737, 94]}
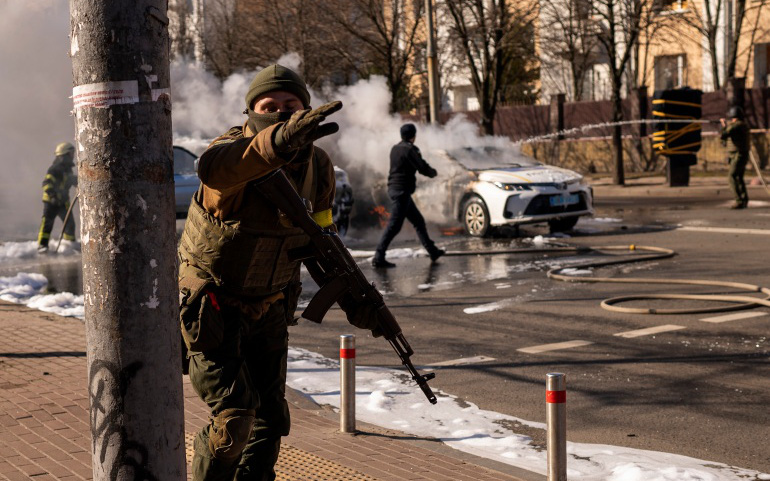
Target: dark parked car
{"type": "Point", "coordinates": [186, 180]}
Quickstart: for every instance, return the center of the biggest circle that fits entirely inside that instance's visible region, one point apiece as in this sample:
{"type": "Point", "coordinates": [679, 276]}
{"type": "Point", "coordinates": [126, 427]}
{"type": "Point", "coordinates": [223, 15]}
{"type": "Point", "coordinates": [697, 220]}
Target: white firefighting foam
{"type": "Point", "coordinates": [30, 289]}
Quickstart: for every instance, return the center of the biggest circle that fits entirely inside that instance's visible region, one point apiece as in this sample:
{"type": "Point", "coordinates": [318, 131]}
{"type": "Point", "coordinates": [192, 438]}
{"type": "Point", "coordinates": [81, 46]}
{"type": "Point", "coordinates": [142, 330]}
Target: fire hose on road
{"type": "Point", "coordinates": [652, 253]}
{"type": "Point", "coordinates": [641, 254]}
{"type": "Point", "coordinates": [758, 171]}
{"type": "Point", "coordinates": [66, 219]}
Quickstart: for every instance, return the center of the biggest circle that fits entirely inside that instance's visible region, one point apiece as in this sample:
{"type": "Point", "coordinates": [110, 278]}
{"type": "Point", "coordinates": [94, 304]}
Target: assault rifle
{"type": "Point", "coordinates": [336, 272]}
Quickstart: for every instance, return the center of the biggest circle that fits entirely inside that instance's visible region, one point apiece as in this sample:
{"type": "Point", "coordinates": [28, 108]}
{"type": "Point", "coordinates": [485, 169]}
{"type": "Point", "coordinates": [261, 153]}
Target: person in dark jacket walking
{"type": "Point", "coordinates": [405, 162]}
{"type": "Point", "coordinates": [735, 135]}
{"type": "Point", "coordinates": [56, 197]}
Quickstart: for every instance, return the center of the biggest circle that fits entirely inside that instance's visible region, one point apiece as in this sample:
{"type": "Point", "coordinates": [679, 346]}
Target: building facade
{"type": "Point", "coordinates": [692, 43]}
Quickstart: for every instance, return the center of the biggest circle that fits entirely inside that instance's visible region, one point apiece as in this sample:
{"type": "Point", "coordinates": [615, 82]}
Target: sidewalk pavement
{"type": "Point", "coordinates": [715, 186]}
{"type": "Point", "coordinates": [45, 432]}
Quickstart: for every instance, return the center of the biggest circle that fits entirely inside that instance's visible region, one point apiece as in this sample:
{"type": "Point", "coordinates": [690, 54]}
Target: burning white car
{"type": "Point", "coordinates": [490, 187]}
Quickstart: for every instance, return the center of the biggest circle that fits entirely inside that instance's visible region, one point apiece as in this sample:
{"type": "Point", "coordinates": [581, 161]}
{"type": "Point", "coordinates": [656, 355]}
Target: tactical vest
{"type": "Point", "coordinates": [248, 254]}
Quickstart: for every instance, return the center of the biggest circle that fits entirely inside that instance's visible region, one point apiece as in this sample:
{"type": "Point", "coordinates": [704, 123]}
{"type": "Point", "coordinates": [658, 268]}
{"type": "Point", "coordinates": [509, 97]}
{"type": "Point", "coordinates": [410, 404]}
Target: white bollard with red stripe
{"type": "Point", "coordinates": [556, 422]}
{"type": "Point", "coordinates": [348, 383]}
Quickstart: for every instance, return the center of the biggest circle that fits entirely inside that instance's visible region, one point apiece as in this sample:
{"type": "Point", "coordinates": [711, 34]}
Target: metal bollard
{"type": "Point", "coordinates": [348, 383]}
{"type": "Point", "coordinates": [556, 421]}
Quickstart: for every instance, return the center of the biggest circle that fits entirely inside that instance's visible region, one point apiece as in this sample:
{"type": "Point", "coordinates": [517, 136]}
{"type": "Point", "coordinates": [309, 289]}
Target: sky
{"type": "Point", "coordinates": [388, 398]}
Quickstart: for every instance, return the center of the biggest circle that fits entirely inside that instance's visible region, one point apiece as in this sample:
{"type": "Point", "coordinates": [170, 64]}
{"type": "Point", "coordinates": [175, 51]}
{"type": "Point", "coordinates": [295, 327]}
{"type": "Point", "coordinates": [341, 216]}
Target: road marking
{"type": "Point", "coordinates": [650, 330]}
{"type": "Point", "coordinates": [462, 361]}
{"type": "Point", "coordinates": [734, 317]}
{"type": "Point", "coordinates": [553, 347]}
{"type": "Point", "coordinates": [725, 230]}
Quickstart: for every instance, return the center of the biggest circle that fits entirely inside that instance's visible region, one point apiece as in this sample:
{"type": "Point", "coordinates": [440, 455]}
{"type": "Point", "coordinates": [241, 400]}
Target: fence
{"type": "Point", "coordinates": [590, 150]}
{"type": "Point", "coordinates": [523, 122]}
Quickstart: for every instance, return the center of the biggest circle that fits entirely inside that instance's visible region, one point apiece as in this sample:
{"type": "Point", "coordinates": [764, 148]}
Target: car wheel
{"type": "Point", "coordinates": [561, 225]}
{"type": "Point", "coordinates": [476, 217]}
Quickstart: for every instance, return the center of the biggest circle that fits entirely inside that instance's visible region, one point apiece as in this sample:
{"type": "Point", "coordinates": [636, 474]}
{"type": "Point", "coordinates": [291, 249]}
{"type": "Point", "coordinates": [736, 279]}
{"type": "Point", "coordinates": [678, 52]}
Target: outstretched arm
{"type": "Point", "coordinates": [419, 163]}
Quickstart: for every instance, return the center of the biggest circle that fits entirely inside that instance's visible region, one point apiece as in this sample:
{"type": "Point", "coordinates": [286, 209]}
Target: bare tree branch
{"type": "Point", "coordinates": [492, 35]}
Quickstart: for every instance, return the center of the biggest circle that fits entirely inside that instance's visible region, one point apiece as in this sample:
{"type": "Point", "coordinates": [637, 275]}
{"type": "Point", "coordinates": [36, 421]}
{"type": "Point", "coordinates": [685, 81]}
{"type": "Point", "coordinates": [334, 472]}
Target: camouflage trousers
{"type": "Point", "coordinates": [738, 162]}
{"type": "Point", "coordinates": [243, 381]}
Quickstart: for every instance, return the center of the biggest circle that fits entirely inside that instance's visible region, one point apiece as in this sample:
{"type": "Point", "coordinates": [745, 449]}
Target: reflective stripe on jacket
{"type": "Point", "coordinates": [57, 183]}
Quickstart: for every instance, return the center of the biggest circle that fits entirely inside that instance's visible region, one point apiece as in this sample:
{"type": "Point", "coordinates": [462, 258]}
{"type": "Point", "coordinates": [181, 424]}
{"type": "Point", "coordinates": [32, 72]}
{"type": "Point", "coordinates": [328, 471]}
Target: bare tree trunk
{"type": "Point", "coordinates": [618, 177]}
{"type": "Point", "coordinates": [487, 124]}
{"type": "Point", "coordinates": [732, 55]}
{"type": "Point", "coordinates": [714, 61]}
{"type": "Point", "coordinates": [120, 67]}
{"type": "Point", "coordinates": [639, 131]}
{"type": "Point", "coordinates": [708, 26]}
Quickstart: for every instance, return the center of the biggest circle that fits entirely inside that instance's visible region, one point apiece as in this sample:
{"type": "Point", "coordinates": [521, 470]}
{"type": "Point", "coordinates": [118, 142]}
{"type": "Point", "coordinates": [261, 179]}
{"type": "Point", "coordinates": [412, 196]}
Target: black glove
{"type": "Point", "coordinates": [362, 315]}
{"type": "Point", "coordinates": [303, 128]}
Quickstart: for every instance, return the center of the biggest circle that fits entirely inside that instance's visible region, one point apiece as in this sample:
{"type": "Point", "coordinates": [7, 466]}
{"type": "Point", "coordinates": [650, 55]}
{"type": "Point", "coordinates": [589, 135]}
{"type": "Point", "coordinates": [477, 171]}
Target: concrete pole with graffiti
{"type": "Point", "coordinates": [122, 111]}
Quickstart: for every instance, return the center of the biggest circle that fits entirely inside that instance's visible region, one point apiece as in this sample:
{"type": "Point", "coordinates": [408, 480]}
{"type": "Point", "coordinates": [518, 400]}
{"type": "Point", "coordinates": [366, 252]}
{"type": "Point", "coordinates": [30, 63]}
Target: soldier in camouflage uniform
{"type": "Point", "coordinates": [735, 135]}
{"type": "Point", "coordinates": [56, 195]}
{"type": "Point", "coordinates": [238, 287]}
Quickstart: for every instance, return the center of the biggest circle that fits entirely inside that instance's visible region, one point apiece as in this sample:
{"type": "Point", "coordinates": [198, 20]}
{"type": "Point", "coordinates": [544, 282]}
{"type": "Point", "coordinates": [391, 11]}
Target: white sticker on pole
{"type": "Point", "coordinates": [104, 94]}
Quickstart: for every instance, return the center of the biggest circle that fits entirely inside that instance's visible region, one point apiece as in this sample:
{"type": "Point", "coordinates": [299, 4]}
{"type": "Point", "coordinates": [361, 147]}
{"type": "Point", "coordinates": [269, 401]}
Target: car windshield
{"type": "Point", "coordinates": [488, 157]}
{"type": "Point", "coordinates": [184, 161]}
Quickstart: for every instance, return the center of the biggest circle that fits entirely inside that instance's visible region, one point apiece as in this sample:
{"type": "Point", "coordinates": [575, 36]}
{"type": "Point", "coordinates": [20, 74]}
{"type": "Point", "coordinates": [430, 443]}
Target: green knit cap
{"type": "Point", "coordinates": [277, 77]}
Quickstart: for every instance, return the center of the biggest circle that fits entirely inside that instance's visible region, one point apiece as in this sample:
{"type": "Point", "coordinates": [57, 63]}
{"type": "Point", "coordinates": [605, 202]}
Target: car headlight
{"type": "Point", "coordinates": [576, 180]}
{"type": "Point", "coordinates": [512, 187]}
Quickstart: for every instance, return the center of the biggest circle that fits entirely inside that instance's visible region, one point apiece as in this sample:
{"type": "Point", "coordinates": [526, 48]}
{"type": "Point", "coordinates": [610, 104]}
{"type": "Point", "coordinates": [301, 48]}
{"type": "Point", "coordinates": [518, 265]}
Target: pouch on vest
{"type": "Point", "coordinates": [201, 320]}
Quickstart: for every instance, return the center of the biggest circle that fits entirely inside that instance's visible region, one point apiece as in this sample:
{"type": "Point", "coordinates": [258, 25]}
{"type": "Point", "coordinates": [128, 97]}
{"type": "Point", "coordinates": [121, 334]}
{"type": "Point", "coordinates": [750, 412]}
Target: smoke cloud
{"type": "Point", "coordinates": [205, 107]}
{"type": "Point", "coordinates": [36, 88]}
{"type": "Point", "coordinates": [367, 133]}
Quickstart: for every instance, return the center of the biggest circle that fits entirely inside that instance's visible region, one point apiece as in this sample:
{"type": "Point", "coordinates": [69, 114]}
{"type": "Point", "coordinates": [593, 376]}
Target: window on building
{"type": "Point", "coordinates": [663, 6]}
{"type": "Point", "coordinates": [582, 9]}
{"type": "Point", "coordinates": [670, 71]}
{"type": "Point", "coordinates": [761, 64]}
{"type": "Point", "coordinates": [597, 85]}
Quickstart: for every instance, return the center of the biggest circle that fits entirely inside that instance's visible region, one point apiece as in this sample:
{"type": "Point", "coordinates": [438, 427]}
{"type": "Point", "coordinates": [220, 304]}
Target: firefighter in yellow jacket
{"type": "Point", "coordinates": [238, 286]}
{"type": "Point", "coordinates": [56, 198]}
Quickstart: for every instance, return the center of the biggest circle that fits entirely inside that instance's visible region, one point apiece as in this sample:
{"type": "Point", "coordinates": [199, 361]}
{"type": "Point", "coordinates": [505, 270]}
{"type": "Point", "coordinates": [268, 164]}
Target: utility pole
{"type": "Point", "coordinates": [120, 69]}
{"type": "Point", "coordinates": [433, 86]}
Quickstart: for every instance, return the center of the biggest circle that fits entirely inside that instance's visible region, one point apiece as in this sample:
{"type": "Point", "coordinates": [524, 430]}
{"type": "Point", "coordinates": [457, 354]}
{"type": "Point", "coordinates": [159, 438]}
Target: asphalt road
{"type": "Point", "coordinates": [701, 390]}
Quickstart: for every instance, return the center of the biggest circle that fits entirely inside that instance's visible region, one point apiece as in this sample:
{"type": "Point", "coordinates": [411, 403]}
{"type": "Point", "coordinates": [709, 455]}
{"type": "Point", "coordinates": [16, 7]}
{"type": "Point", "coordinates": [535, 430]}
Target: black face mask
{"type": "Point", "coordinates": [259, 122]}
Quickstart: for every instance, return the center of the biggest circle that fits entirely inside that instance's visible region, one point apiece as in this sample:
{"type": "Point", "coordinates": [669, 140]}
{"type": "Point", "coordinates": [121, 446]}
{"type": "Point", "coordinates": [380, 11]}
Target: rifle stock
{"type": "Point", "coordinates": [337, 273]}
